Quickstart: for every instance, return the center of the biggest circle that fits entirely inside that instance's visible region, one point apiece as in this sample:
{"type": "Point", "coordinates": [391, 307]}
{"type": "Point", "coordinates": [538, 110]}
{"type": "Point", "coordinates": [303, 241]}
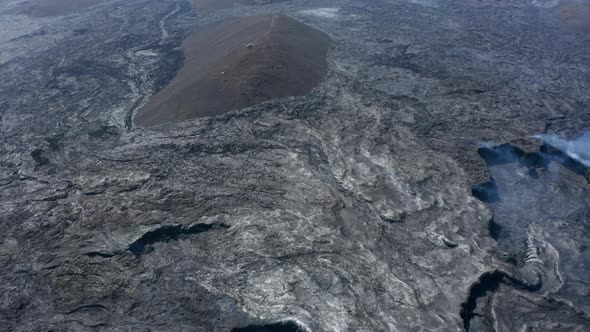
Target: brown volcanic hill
{"type": "Point", "coordinates": [206, 6]}
{"type": "Point", "coordinates": [575, 15]}
{"type": "Point", "coordinates": [237, 63]}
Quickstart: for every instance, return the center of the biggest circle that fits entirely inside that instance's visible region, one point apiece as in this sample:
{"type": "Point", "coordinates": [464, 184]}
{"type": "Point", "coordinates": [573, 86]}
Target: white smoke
{"type": "Point", "coordinates": [545, 3]}
{"type": "Point", "coordinates": [578, 148]}
{"type": "Point", "coordinates": [322, 12]}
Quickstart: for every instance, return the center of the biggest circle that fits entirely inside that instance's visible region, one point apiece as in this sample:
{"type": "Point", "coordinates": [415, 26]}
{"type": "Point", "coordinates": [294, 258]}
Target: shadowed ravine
{"type": "Point", "coordinates": [168, 233]}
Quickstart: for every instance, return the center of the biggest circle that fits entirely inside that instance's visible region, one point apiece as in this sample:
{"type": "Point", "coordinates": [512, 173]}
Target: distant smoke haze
{"type": "Point", "coordinates": [553, 3]}
{"type": "Point", "coordinates": [545, 3]}
{"type": "Point", "coordinates": [322, 12]}
{"type": "Point", "coordinates": [574, 15]}
{"type": "Point", "coordinates": [578, 148]}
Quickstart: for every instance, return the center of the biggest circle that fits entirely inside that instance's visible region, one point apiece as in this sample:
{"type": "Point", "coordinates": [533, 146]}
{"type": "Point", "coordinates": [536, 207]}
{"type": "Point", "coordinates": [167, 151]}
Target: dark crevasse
{"type": "Point", "coordinates": [566, 161]}
{"type": "Point", "coordinates": [495, 230]}
{"type": "Point", "coordinates": [487, 284]}
{"type": "Point", "coordinates": [501, 154]}
{"type": "Point", "coordinates": [486, 192]}
{"type": "Point", "coordinates": [169, 233]}
{"type": "Point", "coordinates": [508, 153]}
{"type": "Point", "coordinates": [286, 326]}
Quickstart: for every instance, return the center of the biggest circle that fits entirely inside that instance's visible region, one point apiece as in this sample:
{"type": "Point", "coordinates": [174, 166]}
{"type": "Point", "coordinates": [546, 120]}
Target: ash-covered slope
{"type": "Point", "coordinates": [237, 63]}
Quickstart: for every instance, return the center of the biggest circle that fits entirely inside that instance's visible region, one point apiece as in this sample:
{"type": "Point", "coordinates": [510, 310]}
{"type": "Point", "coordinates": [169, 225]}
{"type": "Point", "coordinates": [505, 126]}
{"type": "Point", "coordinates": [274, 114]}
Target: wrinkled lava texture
{"type": "Point", "coordinates": [405, 192]}
{"type": "Point", "coordinates": [45, 8]}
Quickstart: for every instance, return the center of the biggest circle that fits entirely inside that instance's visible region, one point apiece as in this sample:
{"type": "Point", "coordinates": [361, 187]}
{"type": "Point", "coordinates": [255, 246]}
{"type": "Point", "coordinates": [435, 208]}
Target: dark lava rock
{"type": "Point", "coordinates": [346, 208]}
{"type": "Point", "coordinates": [45, 8]}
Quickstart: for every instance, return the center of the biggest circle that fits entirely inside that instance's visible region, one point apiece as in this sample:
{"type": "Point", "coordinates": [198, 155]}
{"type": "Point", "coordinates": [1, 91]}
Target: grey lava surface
{"type": "Point", "coordinates": [406, 192]}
